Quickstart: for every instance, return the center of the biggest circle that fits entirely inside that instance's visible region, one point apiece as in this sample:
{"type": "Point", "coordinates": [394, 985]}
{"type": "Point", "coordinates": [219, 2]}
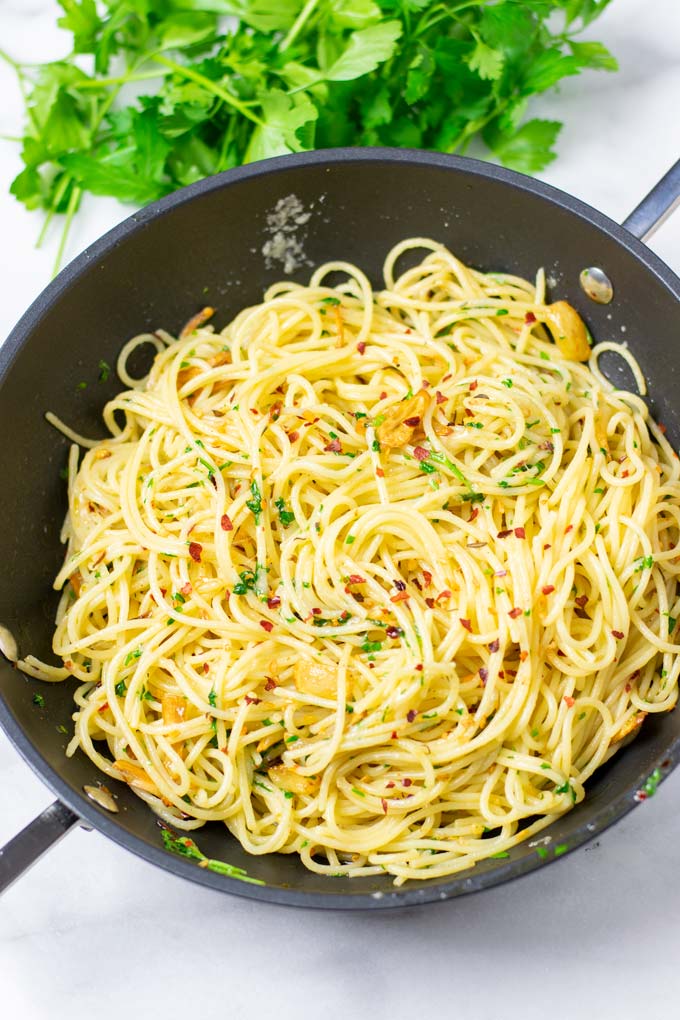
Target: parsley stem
{"type": "Point", "coordinates": [100, 83]}
{"type": "Point", "coordinates": [56, 199]}
{"type": "Point", "coordinates": [298, 24]}
{"type": "Point", "coordinates": [74, 198]}
{"type": "Point", "coordinates": [211, 86]}
{"type": "Point", "coordinates": [8, 60]}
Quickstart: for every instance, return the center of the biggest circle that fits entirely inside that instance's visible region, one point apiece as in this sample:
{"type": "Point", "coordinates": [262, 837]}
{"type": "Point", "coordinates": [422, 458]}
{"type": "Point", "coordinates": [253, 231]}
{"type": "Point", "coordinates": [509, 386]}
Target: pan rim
{"type": "Point", "coordinates": [413, 894]}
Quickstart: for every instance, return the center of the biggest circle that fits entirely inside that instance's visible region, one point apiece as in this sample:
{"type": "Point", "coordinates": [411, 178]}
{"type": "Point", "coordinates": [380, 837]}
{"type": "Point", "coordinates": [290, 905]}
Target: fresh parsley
{"type": "Point", "coordinates": [285, 77]}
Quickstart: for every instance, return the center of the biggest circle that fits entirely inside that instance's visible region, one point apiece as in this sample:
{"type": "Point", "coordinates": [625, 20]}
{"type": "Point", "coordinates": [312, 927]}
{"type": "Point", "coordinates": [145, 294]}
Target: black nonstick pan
{"type": "Point", "coordinates": [224, 240]}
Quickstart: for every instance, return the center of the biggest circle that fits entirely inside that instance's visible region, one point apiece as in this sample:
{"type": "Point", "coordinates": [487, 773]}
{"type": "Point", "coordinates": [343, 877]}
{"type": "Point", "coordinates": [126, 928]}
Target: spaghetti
{"type": "Point", "coordinates": [377, 578]}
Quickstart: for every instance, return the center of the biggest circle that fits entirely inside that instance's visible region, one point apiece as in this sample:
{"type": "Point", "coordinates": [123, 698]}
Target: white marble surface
{"type": "Point", "coordinates": [93, 930]}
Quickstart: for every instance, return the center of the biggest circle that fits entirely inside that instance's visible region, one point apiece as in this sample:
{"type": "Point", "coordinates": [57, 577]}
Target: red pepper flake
{"type": "Point", "coordinates": [468, 412]}
{"type": "Point", "coordinates": [225, 523]}
{"type": "Point", "coordinates": [445, 594]}
{"type": "Point", "coordinates": [520, 533]}
{"type": "Point", "coordinates": [316, 611]}
{"type": "Point", "coordinates": [356, 579]}
{"type": "Point", "coordinates": [427, 578]}
{"type": "Point", "coordinates": [293, 437]}
{"type": "Point", "coordinates": [252, 701]}
{"type": "Point", "coordinates": [483, 674]}
{"type": "Point", "coordinates": [195, 550]}
{"type": "Point", "coordinates": [501, 674]}
{"type": "Point", "coordinates": [569, 702]}
{"type": "Point", "coordinates": [401, 596]}
{"type": "Point", "coordinates": [267, 625]}
{"type": "Point", "coordinates": [393, 632]}
{"type": "Point", "coordinates": [361, 347]}
{"type": "Point", "coordinates": [383, 395]}
{"type": "Point", "coordinates": [419, 667]}
{"type": "Point", "coordinates": [274, 602]}
{"type": "Point", "coordinates": [413, 421]}
{"type": "Point", "coordinates": [429, 603]}
{"type": "Point", "coordinates": [561, 654]}
{"type": "Point", "coordinates": [474, 513]}
{"type": "Point", "coordinates": [206, 667]}
{"type": "Point", "coordinates": [514, 613]}
{"type": "Point", "coordinates": [254, 410]}
{"type": "Point", "coordinates": [640, 795]}
{"type": "Point", "coordinates": [466, 624]}
{"type": "Point", "coordinates": [523, 656]}
{"type": "Point", "coordinates": [380, 473]}
{"type": "Point", "coordinates": [393, 736]}
{"type": "Point", "coordinates": [186, 589]}
{"type": "Point", "coordinates": [335, 446]}
{"type": "Point", "coordinates": [504, 534]}
{"type": "Point", "coordinates": [494, 646]}
{"type": "Point", "coordinates": [662, 429]}
{"type": "Point", "coordinates": [628, 688]}
{"type": "Point", "coordinates": [420, 453]}
{"type": "Point", "coordinates": [384, 805]}
{"type": "Point", "coordinates": [618, 635]}
{"type": "Point", "coordinates": [548, 589]}
{"type": "Point", "coordinates": [446, 377]}
{"type": "Point", "coordinates": [270, 684]}
{"type": "Point", "coordinates": [547, 546]}
{"type": "Point", "coordinates": [411, 714]}
{"type": "Point", "coordinates": [103, 707]}
{"type": "Point", "coordinates": [530, 317]}
{"type": "Point", "coordinates": [581, 601]}
{"type": "Point", "coordinates": [407, 782]}
{"type": "Point", "coordinates": [473, 385]}
{"type": "Point", "coordinates": [439, 397]}
{"type": "Point", "coordinates": [570, 528]}
{"type": "Point", "coordinates": [390, 785]}
{"type": "Point", "coordinates": [624, 474]}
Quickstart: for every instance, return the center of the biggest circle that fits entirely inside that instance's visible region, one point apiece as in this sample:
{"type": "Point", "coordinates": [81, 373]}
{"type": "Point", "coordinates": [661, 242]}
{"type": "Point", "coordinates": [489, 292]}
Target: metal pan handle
{"type": "Point", "coordinates": [656, 207]}
{"type": "Point", "coordinates": [31, 843]}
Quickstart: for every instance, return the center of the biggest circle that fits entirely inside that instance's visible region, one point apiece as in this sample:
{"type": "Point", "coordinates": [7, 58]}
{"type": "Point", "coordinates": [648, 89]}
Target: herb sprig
{"type": "Point", "coordinates": [185, 847]}
{"type": "Point", "coordinates": [285, 77]}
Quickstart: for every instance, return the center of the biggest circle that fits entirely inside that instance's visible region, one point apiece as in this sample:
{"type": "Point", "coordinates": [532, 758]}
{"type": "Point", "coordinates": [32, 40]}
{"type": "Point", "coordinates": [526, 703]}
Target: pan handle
{"type": "Point", "coordinates": [31, 843]}
{"type": "Point", "coordinates": [656, 207]}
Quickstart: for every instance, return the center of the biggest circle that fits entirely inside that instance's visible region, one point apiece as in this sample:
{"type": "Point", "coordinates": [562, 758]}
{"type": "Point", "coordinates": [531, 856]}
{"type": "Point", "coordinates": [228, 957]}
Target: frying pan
{"type": "Point", "coordinates": [208, 242]}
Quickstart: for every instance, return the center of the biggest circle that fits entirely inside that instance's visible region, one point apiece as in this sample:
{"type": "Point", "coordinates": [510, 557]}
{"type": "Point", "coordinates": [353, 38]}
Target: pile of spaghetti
{"type": "Point", "coordinates": [375, 577]}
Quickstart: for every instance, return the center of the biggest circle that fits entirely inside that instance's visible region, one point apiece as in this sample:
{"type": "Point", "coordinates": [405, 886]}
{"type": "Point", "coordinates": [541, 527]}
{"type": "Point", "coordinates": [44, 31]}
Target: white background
{"type": "Point", "coordinates": [94, 931]}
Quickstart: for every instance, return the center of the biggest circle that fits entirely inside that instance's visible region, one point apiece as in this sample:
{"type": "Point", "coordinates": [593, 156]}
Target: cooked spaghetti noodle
{"type": "Point", "coordinates": [377, 578]}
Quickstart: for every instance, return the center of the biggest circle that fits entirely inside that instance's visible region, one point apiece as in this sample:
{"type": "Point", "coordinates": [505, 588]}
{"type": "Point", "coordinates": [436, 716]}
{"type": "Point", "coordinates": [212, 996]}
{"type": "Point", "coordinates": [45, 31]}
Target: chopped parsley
{"type": "Point", "coordinates": [255, 504]}
{"type": "Point", "coordinates": [287, 517]}
{"type": "Point", "coordinates": [185, 847]}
